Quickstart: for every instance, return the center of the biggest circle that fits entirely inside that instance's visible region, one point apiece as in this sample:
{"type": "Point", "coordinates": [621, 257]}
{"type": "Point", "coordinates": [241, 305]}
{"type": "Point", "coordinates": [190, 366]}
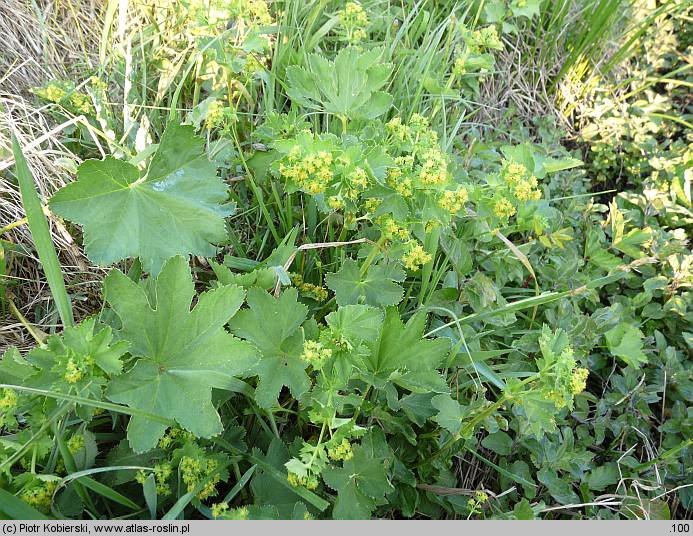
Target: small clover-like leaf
{"type": "Point", "coordinates": [181, 354]}
{"type": "Point", "coordinates": [175, 208]}
{"type": "Point", "coordinates": [273, 326]}
{"type": "Point", "coordinates": [378, 286]}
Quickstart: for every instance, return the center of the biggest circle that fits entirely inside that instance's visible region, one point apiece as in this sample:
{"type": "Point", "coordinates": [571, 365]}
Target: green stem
{"type": "Point", "coordinates": [12, 225]}
{"type": "Point", "coordinates": [371, 256]}
{"type": "Point", "coordinates": [315, 452]}
{"type": "Point", "coordinates": [469, 427]}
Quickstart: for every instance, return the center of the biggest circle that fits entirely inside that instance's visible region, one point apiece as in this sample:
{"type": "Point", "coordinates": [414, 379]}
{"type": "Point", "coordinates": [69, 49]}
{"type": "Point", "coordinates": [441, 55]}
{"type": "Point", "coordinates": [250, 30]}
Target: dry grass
{"type": "Point", "coordinates": [46, 39]}
{"type": "Point", "coordinates": [42, 41]}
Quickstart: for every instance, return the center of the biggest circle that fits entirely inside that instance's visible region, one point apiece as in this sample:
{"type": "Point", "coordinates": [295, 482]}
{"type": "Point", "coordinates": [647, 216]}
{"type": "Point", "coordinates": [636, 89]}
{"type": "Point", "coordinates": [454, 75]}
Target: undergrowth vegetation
{"type": "Point", "coordinates": [355, 261]}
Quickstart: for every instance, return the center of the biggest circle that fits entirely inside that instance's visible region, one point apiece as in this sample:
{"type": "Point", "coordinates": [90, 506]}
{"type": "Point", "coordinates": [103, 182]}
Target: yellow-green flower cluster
{"type": "Point", "coordinates": [315, 354]}
{"type": "Point", "coordinates": [75, 443]}
{"type": "Point", "coordinates": [474, 503]}
{"type": "Point", "coordinates": [316, 292]}
{"type": "Point", "coordinates": [391, 230]}
{"type": "Point", "coordinates": [173, 435]}
{"type": "Point", "coordinates": [308, 481]}
{"type": "Point", "coordinates": [9, 399]}
{"type": "Point", "coordinates": [372, 204]}
{"type": "Point", "coordinates": [335, 202]}
{"type": "Point", "coordinates": [354, 21]}
{"type": "Point", "coordinates": [254, 11]}
{"type": "Point", "coordinates": [398, 180]}
{"type": "Point", "coordinates": [453, 200]}
{"type": "Point", "coordinates": [162, 472]}
{"type": "Point", "coordinates": [81, 103]}
{"type": "Point", "coordinates": [513, 172]}
{"type": "Point", "coordinates": [8, 403]}
{"type": "Point", "coordinates": [358, 178]}
{"type": "Point", "coordinates": [415, 256]}
{"type": "Point", "coordinates": [237, 514]}
{"type": "Point", "coordinates": [98, 84]}
{"type": "Point", "coordinates": [562, 378]}
{"type": "Point", "coordinates": [484, 39]}
{"type": "Point", "coordinates": [522, 184]}
{"type": "Point", "coordinates": [64, 93]}
{"type": "Point", "coordinates": [341, 451]}
{"type": "Point", "coordinates": [204, 13]}
{"type": "Point", "coordinates": [502, 208]}
{"type": "Point", "coordinates": [416, 132]}
{"type": "Point", "coordinates": [40, 496]}
{"type": "Point", "coordinates": [195, 471]}
{"type": "Point", "coordinates": [77, 367]}
{"type": "Point", "coordinates": [219, 509]}
{"type": "Point", "coordinates": [218, 115]}
{"type": "Point", "coordinates": [526, 190]}
{"type": "Point", "coordinates": [427, 164]}
{"type": "Point", "coordinates": [397, 129]}
{"type": "Point", "coordinates": [312, 172]}
{"type": "Point", "coordinates": [578, 381]}
{"type": "Point", "coordinates": [52, 92]}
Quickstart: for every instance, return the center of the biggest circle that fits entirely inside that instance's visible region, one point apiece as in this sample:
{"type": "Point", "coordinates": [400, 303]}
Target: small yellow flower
{"type": "Point", "coordinates": [40, 497]}
{"type": "Point", "coordinates": [81, 103]}
{"type": "Point", "coordinates": [434, 168]}
{"type": "Point", "coordinates": [335, 203]}
{"type": "Point", "coordinates": [578, 381]}
{"type": "Point", "coordinates": [215, 114]}
{"type": "Point", "coordinates": [309, 481]}
{"type": "Point", "coordinates": [416, 256]}
{"type": "Point", "coordinates": [503, 208]}
{"type": "Point", "coordinates": [73, 373]}
{"type": "Point", "coordinates": [418, 122]}
{"type": "Point", "coordinates": [75, 443]}
{"type": "Point", "coordinates": [453, 200]}
{"type": "Point", "coordinates": [218, 509]}
{"type": "Point", "coordinates": [372, 204]}
{"type": "Point", "coordinates": [401, 184]}
{"type": "Point", "coordinates": [359, 178]}
{"type": "Point", "coordinates": [196, 470]}
{"type": "Point", "coordinates": [513, 172]}
{"type": "Point", "coordinates": [9, 399]}
{"type": "Point", "coordinates": [481, 497]}
{"type": "Point", "coordinates": [315, 353]}
{"type": "Point", "coordinates": [526, 189]}
{"type": "Point", "coordinates": [358, 35]}
{"type": "Point", "coordinates": [397, 129]}
{"type": "Point", "coordinates": [391, 230]}
{"type": "Point", "coordinates": [341, 451]}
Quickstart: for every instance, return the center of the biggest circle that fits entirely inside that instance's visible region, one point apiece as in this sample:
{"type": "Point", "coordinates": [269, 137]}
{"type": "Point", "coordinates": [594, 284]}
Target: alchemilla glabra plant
{"type": "Point", "coordinates": [328, 295]}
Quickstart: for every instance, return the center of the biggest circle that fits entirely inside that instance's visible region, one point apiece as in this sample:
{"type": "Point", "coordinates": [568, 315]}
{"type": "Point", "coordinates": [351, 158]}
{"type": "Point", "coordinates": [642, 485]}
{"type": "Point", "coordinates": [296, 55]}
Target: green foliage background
{"type": "Point", "coordinates": [343, 283]}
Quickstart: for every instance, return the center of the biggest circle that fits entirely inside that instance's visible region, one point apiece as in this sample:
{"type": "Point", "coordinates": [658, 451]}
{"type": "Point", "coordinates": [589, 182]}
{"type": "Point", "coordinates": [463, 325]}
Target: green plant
{"type": "Point", "coordinates": [338, 307]}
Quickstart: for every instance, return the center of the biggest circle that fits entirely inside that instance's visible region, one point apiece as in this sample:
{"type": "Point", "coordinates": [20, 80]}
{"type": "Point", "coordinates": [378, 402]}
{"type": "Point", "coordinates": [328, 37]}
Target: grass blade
{"type": "Point", "coordinates": [15, 508]}
{"type": "Point", "coordinates": [38, 225]}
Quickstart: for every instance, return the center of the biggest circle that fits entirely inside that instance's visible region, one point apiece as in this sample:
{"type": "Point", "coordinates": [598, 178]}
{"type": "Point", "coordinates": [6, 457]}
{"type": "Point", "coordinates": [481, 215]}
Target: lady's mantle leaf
{"type": "Point", "coordinates": [347, 87]}
{"type": "Point", "coordinates": [175, 208]}
{"type": "Point", "coordinates": [273, 326]}
{"type": "Point", "coordinates": [182, 354]}
{"type": "Point", "coordinates": [355, 323]}
{"type": "Point", "coordinates": [401, 349]}
{"type": "Point", "coordinates": [376, 287]}
{"type": "Point", "coordinates": [360, 483]}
